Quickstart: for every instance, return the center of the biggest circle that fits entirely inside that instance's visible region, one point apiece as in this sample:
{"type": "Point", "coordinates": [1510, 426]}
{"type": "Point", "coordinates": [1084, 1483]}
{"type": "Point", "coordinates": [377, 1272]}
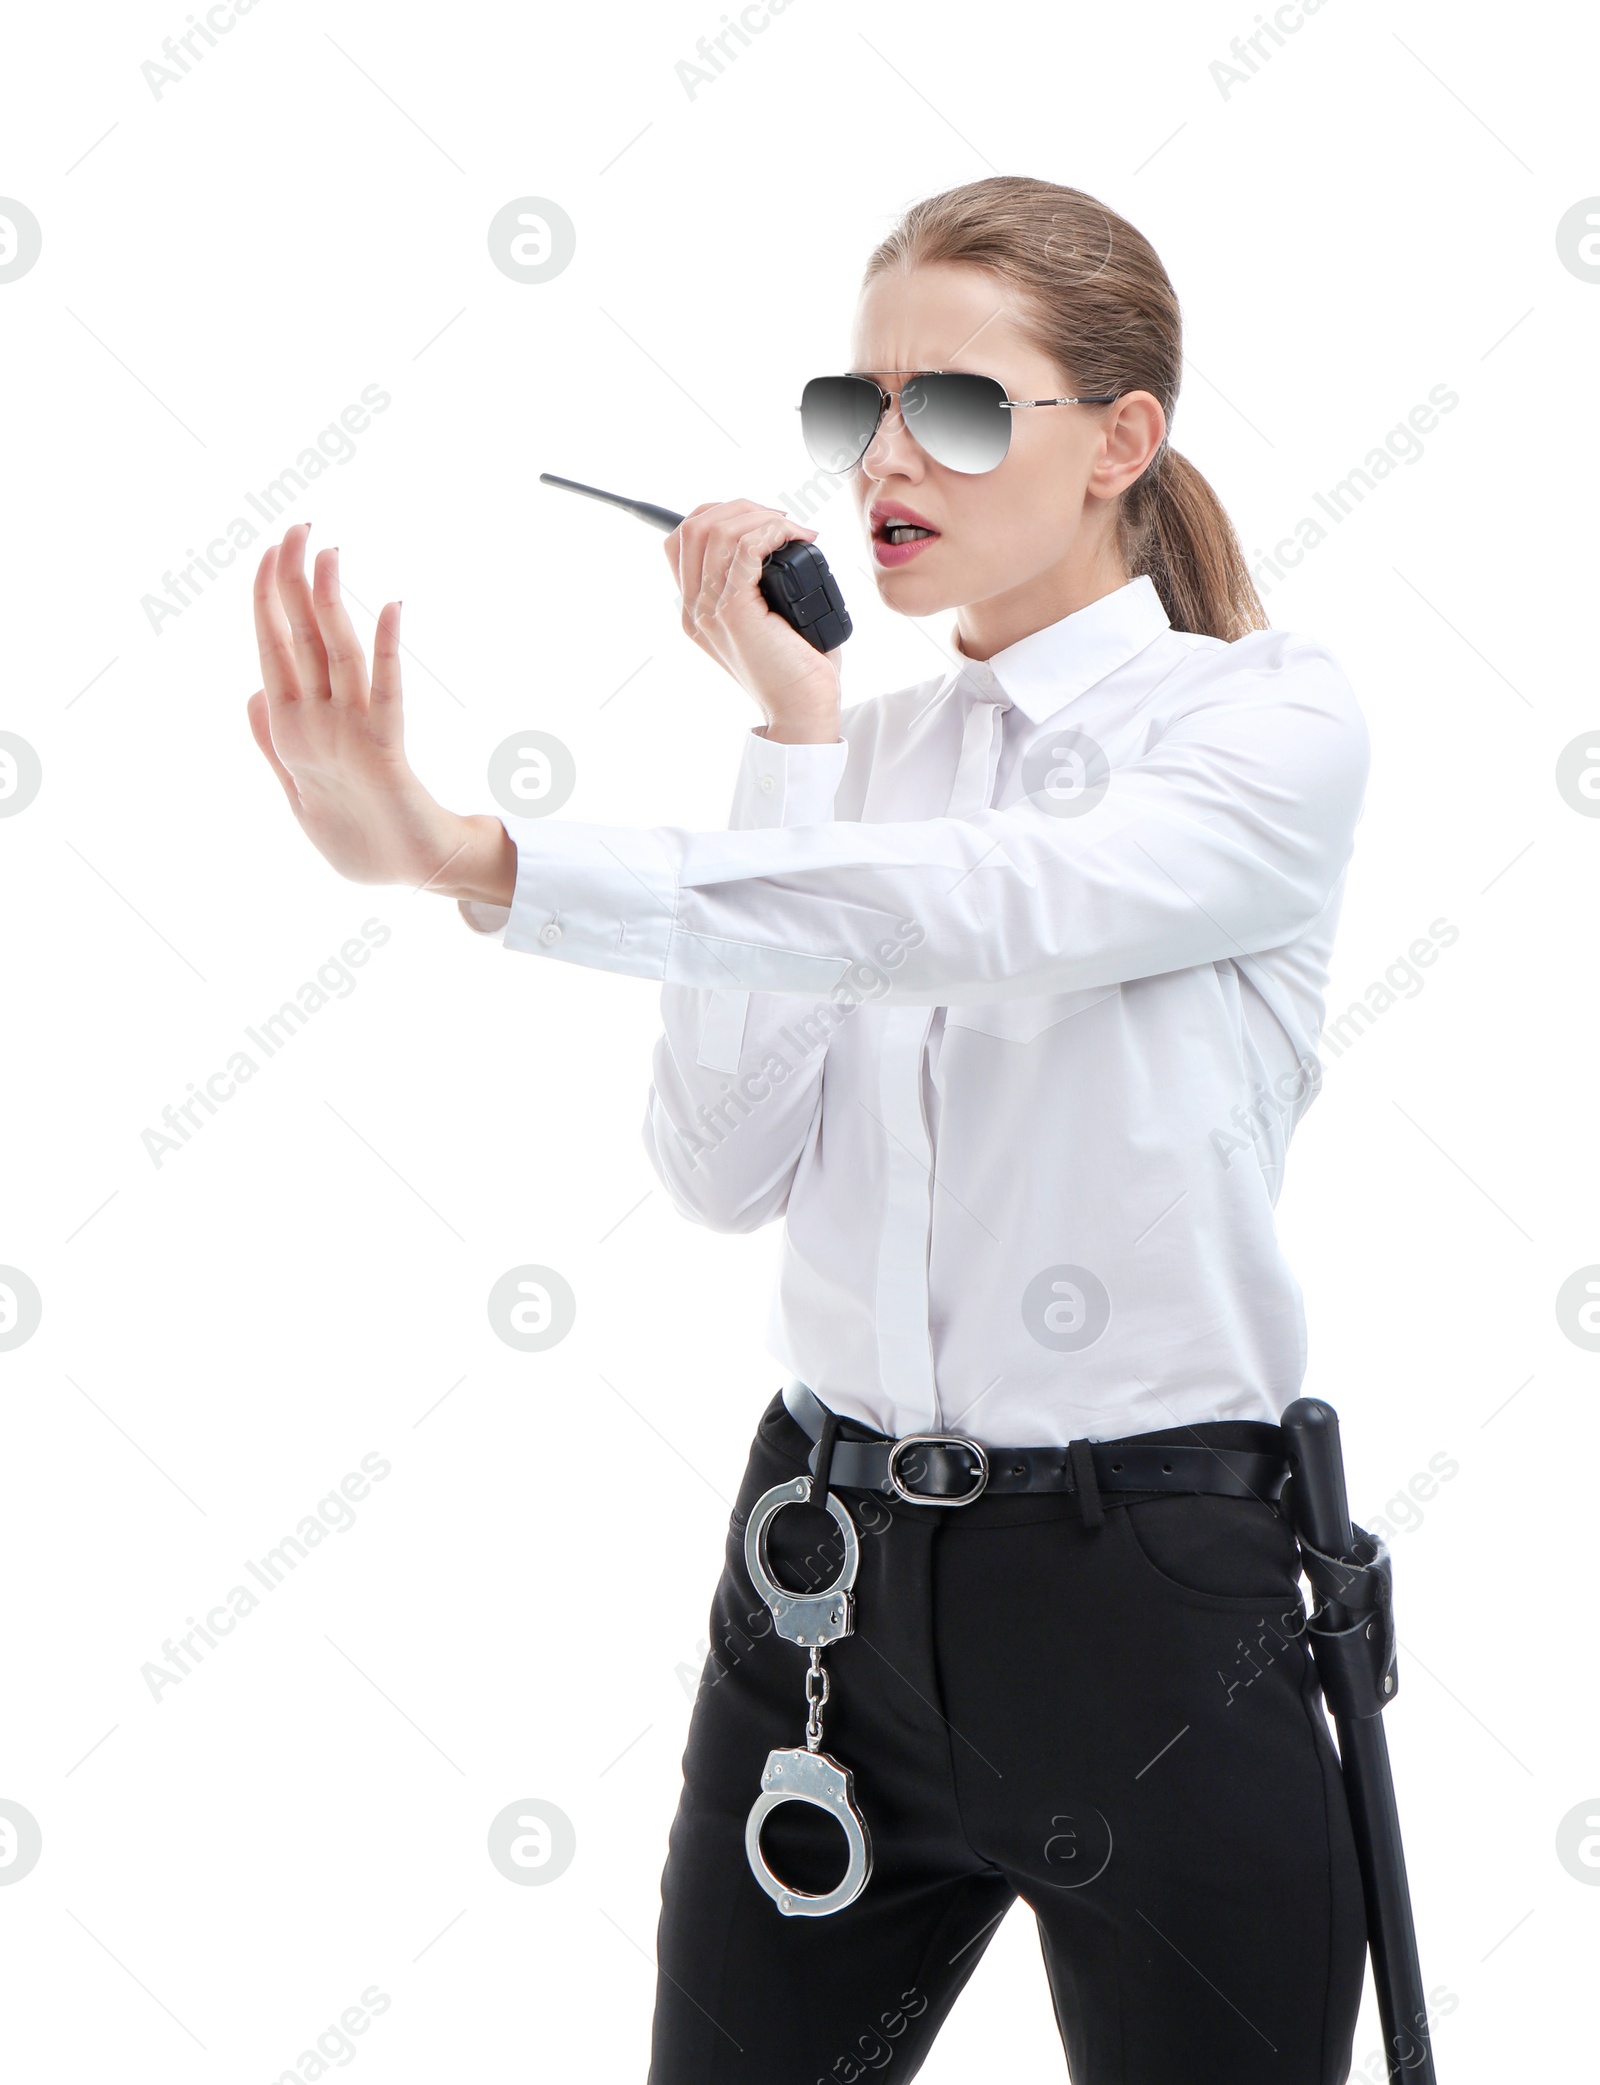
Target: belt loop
{"type": "Point", "coordinates": [822, 1458]}
{"type": "Point", "coordinates": [1090, 1511]}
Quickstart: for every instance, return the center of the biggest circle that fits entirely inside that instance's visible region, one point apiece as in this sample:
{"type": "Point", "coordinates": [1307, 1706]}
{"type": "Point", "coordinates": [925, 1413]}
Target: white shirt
{"type": "Point", "coordinates": [1007, 1003]}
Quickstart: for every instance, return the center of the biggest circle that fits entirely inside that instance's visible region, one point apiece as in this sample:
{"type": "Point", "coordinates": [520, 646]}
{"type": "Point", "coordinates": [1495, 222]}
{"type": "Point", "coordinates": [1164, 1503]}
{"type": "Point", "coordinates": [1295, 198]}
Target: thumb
{"type": "Point", "coordinates": [261, 732]}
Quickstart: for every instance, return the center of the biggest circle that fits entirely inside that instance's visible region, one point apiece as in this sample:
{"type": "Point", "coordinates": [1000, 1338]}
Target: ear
{"type": "Point", "coordinates": [1134, 430]}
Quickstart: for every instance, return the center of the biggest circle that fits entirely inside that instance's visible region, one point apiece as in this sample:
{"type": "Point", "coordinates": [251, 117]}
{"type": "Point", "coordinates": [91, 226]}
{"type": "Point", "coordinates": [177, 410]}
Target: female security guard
{"type": "Point", "coordinates": [1003, 992]}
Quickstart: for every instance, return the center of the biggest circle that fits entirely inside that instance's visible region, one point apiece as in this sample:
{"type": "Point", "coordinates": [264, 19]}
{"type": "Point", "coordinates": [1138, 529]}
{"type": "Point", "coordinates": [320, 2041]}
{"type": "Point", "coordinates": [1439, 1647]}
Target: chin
{"type": "Point", "coordinates": [909, 592]}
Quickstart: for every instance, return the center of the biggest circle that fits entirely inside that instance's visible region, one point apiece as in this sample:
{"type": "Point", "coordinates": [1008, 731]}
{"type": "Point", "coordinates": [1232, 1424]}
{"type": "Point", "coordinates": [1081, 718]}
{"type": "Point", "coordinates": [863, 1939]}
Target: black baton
{"type": "Point", "coordinates": [1351, 1632]}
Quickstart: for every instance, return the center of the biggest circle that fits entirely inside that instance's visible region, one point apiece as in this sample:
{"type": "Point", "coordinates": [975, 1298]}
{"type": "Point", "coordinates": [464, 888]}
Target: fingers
{"type": "Point", "coordinates": [347, 665]}
{"type": "Point", "coordinates": [746, 555]}
{"type": "Point", "coordinates": [709, 528]}
{"type": "Point", "coordinates": [274, 640]}
{"type": "Point", "coordinates": [261, 731]}
{"type": "Point", "coordinates": [710, 548]}
{"type": "Point", "coordinates": [383, 711]}
{"type": "Point", "coordinates": [311, 659]}
{"type": "Point", "coordinates": [675, 539]}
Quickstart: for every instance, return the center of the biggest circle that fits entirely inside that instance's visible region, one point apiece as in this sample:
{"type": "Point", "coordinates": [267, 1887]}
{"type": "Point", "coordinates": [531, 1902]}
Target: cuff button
{"type": "Point", "coordinates": [767, 785]}
{"type": "Point", "coordinates": [549, 932]}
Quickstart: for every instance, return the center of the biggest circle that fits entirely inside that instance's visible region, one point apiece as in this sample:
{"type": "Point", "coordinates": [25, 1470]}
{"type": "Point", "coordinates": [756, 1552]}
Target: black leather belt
{"type": "Point", "coordinates": [949, 1469]}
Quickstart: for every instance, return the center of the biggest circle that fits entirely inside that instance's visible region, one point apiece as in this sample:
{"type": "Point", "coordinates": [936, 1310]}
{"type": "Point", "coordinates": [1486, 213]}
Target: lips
{"type": "Point", "coordinates": [885, 514]}
{"type": "Point", "coordinates": [898, 532]}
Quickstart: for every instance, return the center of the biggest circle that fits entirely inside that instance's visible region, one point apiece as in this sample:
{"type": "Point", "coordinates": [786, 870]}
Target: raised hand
{"type": "Point", "coordinates": [336, 744]}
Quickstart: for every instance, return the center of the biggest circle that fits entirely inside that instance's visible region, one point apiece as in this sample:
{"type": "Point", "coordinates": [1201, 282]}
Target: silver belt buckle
{"type": "Point", "coordinates": [941, 1440]}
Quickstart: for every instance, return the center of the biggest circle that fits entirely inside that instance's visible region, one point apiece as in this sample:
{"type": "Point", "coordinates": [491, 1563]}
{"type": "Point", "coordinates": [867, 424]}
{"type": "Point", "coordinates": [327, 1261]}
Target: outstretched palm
{"type": "Point", "coordinates": [336, 742]}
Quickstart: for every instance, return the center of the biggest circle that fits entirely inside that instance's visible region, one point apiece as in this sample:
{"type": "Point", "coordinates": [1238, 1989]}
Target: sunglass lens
{"type": "Point", "coordinates": [961, 420]}
{"type": "Point", "coordinates": [838, 417]}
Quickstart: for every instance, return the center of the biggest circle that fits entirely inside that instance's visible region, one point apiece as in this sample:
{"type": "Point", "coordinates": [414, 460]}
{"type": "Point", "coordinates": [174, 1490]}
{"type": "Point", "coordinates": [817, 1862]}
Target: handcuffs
{"type": "Point", "coordinates": [794, 1774]}
{"type": "Point", "coordinates": [807, 1774]}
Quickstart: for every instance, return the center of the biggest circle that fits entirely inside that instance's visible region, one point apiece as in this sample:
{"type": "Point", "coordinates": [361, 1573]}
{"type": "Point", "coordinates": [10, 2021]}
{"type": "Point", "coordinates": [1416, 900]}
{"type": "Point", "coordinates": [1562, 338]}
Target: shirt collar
{"type": "Point", "coordinates": [1045, 670]}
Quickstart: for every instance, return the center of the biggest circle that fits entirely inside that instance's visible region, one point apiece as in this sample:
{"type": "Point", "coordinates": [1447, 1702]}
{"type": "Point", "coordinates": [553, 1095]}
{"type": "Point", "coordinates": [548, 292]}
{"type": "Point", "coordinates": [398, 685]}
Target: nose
{"type": "Point", "coordinates": [892, 453]}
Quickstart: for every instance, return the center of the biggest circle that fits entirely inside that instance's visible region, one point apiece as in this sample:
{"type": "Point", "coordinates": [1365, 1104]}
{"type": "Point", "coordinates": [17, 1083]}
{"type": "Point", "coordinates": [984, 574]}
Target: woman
{"type": "Point", "coordinates": [1003, 991]}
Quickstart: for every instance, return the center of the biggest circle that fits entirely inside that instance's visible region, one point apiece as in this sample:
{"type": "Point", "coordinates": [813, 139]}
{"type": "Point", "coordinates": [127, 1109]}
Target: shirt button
{"type": "Point", "coordinates": [549, 932]}
{"type": "Point", "coordinates": [767, 785]}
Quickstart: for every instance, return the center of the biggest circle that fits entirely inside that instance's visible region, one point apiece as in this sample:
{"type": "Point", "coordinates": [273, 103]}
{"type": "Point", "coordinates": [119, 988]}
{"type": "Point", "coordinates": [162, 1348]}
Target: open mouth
{"type": "Point", "coordinates": [898, 535]}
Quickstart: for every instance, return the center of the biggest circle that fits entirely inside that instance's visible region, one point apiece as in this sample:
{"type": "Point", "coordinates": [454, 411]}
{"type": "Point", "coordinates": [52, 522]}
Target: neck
{"type": "Point", "coordinates": [986, 627]}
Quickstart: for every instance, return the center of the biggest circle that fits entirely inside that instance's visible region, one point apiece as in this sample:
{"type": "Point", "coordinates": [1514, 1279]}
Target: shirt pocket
{"type": "Point", "coordinates": [1020, 1020]}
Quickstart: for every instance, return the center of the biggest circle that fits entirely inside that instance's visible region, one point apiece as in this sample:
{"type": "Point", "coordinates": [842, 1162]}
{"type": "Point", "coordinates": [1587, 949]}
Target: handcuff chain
{"type": "Point", "coordinates": [815, 1697]}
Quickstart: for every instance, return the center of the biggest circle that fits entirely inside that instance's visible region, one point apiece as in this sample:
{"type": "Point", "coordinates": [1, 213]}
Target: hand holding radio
{"type": "Point", "coordinates": [717, 555]}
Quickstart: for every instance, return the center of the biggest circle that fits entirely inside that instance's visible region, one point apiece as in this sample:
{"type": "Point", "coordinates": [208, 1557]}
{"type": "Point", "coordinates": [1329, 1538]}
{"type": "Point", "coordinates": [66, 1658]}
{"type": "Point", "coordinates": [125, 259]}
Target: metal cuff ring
{"type": "Point", "coordinates": [799, 1776]}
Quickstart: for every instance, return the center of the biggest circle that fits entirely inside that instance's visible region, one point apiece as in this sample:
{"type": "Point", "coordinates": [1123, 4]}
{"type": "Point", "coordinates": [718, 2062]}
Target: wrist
{"type": "Point", "coordinates": [803, 728]}
{"type": "Point", "coordinates": [477, 859]}
{"type": "Point", "coordinates": [804, 710]}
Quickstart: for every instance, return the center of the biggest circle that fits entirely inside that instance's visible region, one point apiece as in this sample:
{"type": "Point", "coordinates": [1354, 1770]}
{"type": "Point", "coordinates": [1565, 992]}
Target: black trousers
{"type": "Point", "coordinates": [1117, 1724]}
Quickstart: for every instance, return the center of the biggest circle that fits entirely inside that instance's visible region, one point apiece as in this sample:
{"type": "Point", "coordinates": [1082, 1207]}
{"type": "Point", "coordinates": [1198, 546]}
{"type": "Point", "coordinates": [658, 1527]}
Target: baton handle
{"type": "Point", "coordinates": [1316, 1462]}
{"type": "Point", "coordinates": [1320, 1508]}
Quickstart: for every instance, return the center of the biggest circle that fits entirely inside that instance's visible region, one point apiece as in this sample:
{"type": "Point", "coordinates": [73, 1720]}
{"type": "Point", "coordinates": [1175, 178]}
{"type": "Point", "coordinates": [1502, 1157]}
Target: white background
{"type": "Point", "coordinates": [224, 1336]}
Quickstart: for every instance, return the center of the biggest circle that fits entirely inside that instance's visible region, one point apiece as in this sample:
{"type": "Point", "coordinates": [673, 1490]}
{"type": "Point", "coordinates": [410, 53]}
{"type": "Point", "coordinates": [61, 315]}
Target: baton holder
{"type": "Point", "coordinates": [1351, 1633]}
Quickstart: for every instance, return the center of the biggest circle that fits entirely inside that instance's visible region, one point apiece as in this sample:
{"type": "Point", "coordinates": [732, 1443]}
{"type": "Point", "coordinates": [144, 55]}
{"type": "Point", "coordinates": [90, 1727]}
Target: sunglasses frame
{"type": "Point", "coordinates": [888, 398]}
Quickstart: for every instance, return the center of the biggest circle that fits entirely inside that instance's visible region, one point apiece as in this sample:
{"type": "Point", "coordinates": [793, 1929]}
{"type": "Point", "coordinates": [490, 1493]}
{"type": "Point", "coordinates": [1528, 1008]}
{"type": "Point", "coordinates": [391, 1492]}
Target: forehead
{"type": "Point", "coordinates": [940, 316]}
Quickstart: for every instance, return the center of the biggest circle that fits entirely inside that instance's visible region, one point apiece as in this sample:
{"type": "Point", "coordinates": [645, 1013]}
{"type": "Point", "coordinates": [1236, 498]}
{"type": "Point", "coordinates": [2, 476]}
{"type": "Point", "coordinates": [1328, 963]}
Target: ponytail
{"type": "Point", "coordinates": [1179, 533]}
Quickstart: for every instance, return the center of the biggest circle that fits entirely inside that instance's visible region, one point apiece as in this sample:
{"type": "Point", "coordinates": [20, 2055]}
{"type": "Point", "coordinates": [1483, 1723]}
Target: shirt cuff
{"type": "Point", "coordinates": [781, 784]}
{"type": "Point", "coordinates": [605, 896]}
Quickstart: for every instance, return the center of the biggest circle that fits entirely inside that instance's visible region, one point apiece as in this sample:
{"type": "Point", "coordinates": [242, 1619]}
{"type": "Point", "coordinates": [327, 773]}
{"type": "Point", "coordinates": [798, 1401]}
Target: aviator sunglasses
{"type": "Point", "coordinates": [962, 421]}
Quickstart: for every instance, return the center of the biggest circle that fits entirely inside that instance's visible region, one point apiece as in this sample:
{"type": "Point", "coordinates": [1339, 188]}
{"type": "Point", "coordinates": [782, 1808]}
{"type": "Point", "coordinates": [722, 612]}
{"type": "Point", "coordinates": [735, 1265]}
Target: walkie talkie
{"type": "Point", "coordinates": [795, 580]}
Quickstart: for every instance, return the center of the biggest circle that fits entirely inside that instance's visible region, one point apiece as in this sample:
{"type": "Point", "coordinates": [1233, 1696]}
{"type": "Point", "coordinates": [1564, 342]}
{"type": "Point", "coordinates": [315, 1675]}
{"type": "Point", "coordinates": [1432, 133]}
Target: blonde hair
{"type": "Point", "coordinates": [1096, 299]}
